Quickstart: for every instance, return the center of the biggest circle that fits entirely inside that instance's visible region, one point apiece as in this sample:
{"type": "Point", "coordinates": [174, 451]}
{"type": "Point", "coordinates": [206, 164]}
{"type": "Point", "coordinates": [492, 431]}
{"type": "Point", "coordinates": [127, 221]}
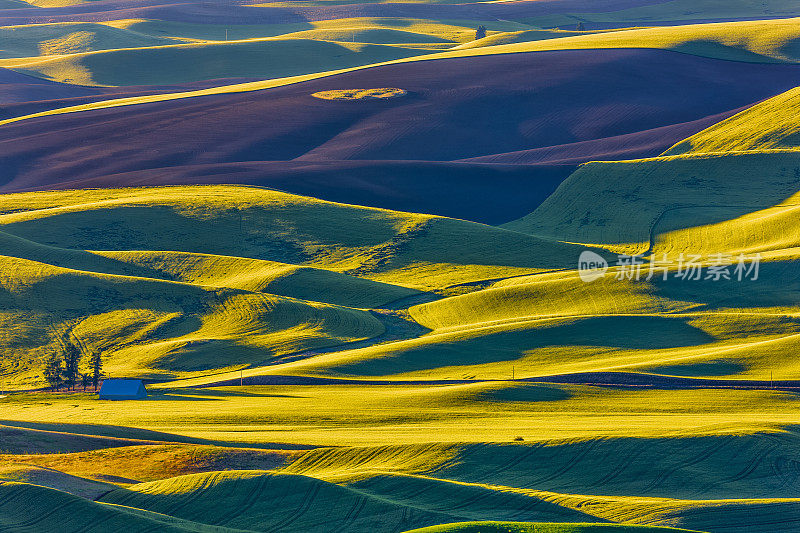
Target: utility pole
{"type": "Point", "coordinates": [226, 34]}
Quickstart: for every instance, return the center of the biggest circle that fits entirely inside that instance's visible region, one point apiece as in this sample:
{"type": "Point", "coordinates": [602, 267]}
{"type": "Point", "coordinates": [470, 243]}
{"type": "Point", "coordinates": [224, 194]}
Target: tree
{"type": "Point", "coordinates": [96, 368]}
{"type": "Point", "coordinates": [480, 33]}
{"type": "Point", "coordinates": [72, 357]}
{"type": "Point", "coordinates": [85, 380]}
{"type": "Point", "coordinates": [581, 27]}
{"type": "Point", "coordinates": [51, 368]}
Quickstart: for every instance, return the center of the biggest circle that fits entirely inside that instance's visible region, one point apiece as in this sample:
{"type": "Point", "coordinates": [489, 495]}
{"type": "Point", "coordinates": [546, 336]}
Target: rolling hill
{"type": "Point", "coordinates": [152, 305]}
{"type": "Point", "coordinates": [68, 38]}
{"type": "Point", "coordinates": [59, 510]}
{"type": "Point", "coordinates": [551, 13]}
{"type": "Point", "coordinates": [181, 63]}
{"type": "Point", "coordinates": [760, 41]}
{"type": "Point", "coordinates": [679, 480]}
{"type": "Point", "coordinates": [521, 527]}
{"type": "Point", "coordinates": [556, 123]}
{"type": "Point", "coordinates": [768, 125]}
{"type": "Point", "coordinates": [122, 52]}
{"type": "Point", "coordinates": [368, 314]}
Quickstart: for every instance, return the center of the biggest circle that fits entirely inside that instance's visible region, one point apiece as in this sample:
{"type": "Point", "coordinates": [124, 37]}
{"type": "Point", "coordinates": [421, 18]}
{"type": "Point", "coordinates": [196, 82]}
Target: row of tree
{"type": "Point", "coordinates": [72, 366]}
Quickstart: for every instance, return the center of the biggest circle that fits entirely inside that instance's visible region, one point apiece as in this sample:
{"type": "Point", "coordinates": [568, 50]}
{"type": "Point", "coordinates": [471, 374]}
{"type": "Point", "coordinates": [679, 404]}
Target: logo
{"type": "Point", "coordinates": [591, 266]}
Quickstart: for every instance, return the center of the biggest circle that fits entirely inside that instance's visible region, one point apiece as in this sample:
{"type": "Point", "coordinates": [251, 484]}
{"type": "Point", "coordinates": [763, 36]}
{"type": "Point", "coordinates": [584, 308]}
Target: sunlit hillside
{"type": "Point", "coordinates": [399, 266]}
{"type": "Point", "coordinates": [769, 125]}
{"type": "Point", "coordinates": [149, 52]}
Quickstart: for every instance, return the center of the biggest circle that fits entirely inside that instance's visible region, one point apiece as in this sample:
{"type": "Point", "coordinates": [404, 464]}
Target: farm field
{"type": "Point", "coordinates": [525, 266]}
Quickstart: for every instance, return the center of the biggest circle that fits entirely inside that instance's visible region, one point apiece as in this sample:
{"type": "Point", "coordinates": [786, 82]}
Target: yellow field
{"type": "Point", "coordinates": [115, 53]}
{"type": "Point", "coordinates": [671, 448]}
{"type": "Point", "coordinates": [318, 366]}
{"type": "Point", "coordinates": [368, 415]}
{"type": "Point", "coordinates": [142, 52]}
{"type": "Point", "coordinates": [762, 41]}
{"type": "Point", "coordinates": [89, 265]}
{"type": "Point", "coordinates": [169, 313]}
{"type": "Point", "coordinates": [769, 125]}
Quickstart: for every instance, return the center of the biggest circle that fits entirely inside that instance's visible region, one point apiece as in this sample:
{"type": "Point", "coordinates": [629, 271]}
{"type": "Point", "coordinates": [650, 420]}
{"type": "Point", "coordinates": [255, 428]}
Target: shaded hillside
{"type": "Point", "coordinates": [527, 101]}
{"type": "Point", "coordinates": [201, 278]}
{"type": "Point", "coordinates": [548, 13]}
{"type": "Point", "coordinates": [243, 12]}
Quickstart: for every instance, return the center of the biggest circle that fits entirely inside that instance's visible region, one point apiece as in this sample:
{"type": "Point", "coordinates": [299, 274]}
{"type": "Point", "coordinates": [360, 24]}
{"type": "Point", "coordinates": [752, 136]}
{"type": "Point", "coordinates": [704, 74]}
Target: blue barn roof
{"type": "Point", "coordinates": [123, 389]}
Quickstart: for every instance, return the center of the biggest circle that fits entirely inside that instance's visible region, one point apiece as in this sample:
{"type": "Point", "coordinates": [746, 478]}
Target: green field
{"type": "Point", "coordinates": [521, 527]}
{"type": "Point", "coordinates": [147, 52]}
{"type": "Point", "coordinates": [153, 52]}
{"type": "Point", "coordinates": [435, 322]}
{"type": "Point", "coordinates": [769, 125]}
{"type": "Point", "coordinates": [680, 480]}
{"type": "Point", "coordinates": [318, 366]}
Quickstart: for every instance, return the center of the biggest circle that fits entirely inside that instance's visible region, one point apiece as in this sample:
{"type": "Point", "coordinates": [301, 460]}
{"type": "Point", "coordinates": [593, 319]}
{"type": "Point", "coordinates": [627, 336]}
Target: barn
{"type": "Point", "coordinates": [123, 389]}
